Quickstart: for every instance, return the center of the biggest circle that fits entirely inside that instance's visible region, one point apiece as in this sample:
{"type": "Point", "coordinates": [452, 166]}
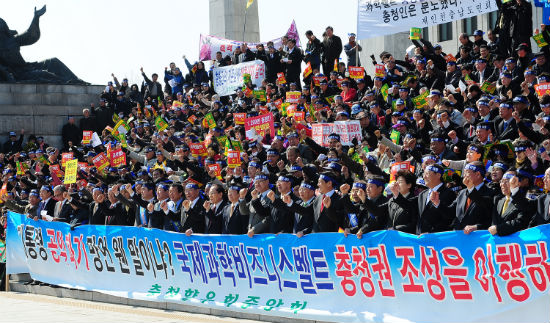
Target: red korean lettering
{"type": "Point", "coordinates": [536, 261]}
{"type": "Point", "coordinates": [382, 268]}
{"type": "Point", "coordinates": [361, 268]}
{"type": "Point", "coordinates": [485, 268]}
{"type": "Point", "coordinates": [430, 267]}
{"type": "Point", "coordinates": [343, 270]}
{"type": "Point", "coordinates": [456, 274]}
{"type": "Point", "coordinates": [408, 271]}
{"type": "Point", "coordinates": [508, 259]}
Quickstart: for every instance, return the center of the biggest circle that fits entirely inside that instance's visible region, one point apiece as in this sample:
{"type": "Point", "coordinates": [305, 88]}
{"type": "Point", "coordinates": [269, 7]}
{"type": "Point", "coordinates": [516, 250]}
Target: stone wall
{"type": "Point", "coordinates": [42, 109]}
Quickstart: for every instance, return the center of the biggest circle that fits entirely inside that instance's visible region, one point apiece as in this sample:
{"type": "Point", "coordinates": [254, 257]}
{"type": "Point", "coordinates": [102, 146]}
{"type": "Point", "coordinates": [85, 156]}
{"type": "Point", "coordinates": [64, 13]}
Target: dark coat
{"type": "Point", "coordinates": [514, 218]}
{"type": "Point", "coordinates": [430, 218]}
{"type": "Point", "coordinates": [234, 223]}
{"type": "Point", "coordinates": [478, 213]}
{"type": "Point", "coordinates": [215, 217]}
{"type": "Point", "coordinates": [539, 208]}
{"type": "Point", "coordinates": [194, 218]}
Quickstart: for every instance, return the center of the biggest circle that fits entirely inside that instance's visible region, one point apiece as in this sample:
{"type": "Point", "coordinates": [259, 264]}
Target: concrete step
{"type": "Point", "coordinates": [50, 88]}
{"type": "Point", "coordinates": [140, 305]}
{"type": "Point", "coordinates": [41, 110]}
{"type": "Point", "coordinates": [55, 98]}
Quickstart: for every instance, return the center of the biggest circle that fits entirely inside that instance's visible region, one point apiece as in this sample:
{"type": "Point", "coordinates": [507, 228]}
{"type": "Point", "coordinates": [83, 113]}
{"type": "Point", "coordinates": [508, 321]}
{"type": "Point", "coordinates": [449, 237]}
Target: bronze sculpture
{"type": "Point", "coordinates": [14, 69]}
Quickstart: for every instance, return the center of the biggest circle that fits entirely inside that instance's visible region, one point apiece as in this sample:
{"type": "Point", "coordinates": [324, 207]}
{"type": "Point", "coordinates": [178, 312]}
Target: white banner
{"type": "Point", "coordinates": [210, 45]}
{"type": "Point", "coordinates": [378, 18]}
{"type": "Point", "coordinates": [228, 78]}
{"type": "Point", "coordinates": [346, 129]}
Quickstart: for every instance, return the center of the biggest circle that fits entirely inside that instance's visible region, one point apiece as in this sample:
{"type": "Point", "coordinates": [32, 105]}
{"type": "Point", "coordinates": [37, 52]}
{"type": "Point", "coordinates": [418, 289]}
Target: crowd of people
{"type": "Point", "coordinates": [448, 143]}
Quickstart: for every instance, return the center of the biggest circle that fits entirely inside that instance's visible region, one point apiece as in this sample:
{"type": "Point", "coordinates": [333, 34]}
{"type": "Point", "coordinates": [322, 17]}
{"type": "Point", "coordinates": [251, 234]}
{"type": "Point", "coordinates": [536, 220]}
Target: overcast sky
{"type": "Point", "coordinates": [95, 38]}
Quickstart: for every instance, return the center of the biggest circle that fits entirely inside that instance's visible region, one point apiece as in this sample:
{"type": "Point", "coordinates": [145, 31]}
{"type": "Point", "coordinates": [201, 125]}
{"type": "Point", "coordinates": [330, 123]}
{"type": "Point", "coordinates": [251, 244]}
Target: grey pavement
{"type": "Point", "coordinates": [31, 308]}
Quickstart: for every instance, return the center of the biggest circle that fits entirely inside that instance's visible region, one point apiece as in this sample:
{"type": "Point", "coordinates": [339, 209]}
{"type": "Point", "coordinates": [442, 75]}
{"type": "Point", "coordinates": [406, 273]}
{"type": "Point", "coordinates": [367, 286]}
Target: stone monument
{"type": "Point", "coordinates": [38, 96]}
{"type": "Point", "coordinates": [228, 17]}
{"type": "Point", "coordinates": [13, 67]}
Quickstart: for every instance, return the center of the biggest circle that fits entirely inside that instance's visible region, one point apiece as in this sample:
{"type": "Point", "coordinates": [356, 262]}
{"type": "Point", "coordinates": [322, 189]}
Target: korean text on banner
{"type": "Point", "coordinates": [374, 20]}
{"type": "Point", "coordinates": [210, 45]}
{"type": "Point", "coordinates": [228, 78]}
{"type": "Point", "coordinates": [263, 125]}
{"type": "Point", "coordinates": [321, 277]}
{"type": "Point", "coordinates": [71, 167]}
{"type": "Point", "coordinates": [346, 129]}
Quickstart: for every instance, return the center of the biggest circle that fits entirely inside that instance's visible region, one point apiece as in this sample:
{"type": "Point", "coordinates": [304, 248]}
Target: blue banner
{"type": "Point", "coordinates": [385, 276]}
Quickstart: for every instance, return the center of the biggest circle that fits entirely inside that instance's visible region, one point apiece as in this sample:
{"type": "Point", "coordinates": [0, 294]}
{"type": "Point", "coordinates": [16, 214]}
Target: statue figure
{"type": "Point", "coordinates": [13, 67]}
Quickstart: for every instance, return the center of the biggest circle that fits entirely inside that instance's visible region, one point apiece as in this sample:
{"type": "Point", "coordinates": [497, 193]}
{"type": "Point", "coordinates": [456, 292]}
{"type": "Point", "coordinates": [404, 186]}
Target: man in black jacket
{"type": "Point", "coordinates": [473, 206]}
{"type": "Point", "coordinates": [273, 64]}
{"type": "Point", "coordinates": [214, 209]}
{"type": "Point", "coordinates": [510, 212]}
{"type": "Point", "coordinates": [192, 212]}
{"type": "Point", "coordinates": [430, 217]}
{"type": "Point", "coordinates": [304, 214]}
{"type": "Point", "coordinates": [541, 206]}
{"type": "Point", "coordinates": [233, 221]}
{"type": "Point", "coordinates": [153, 88]}
{"type": "Point", "coordinates": [313, 51]}
{"type": "Point", "coordinates": [71, 134]}
{"type": "Point", "coordinates": [332, 48]}
{"type": "Point", "coordinates": [282, 217]}
{"type": "Point", "coordinates": [293, 63]}
{"type": "Point", "coordinates": [257, 205]}
{"type": "Point", "coordinates": [327, 207]}
{"type": "Point", "coordinates": [13, 145]}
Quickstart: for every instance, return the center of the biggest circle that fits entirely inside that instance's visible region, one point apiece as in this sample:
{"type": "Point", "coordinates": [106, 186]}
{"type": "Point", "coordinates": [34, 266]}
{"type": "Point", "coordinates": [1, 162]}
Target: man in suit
{"type": "Point", "coordinates": [431, 218]}
{"type": "Point", "coordinates": [473, 206]}
{"type": "Point", "coordinates": [192, 213]}
{"type": "Point", "coordinates": [138, 202]}
{"type": "Point", "coordinates": [507, 127]}
{"type": "Point", "coordinates": [47, 204]}
{"type": "Point", "coordinates": [328, 210]}
{"type": "Point", "coordinates": [377, 217]}
{"type": "Point", "coordinates": [258, 208]}
{"type": "Point", "coordinates": [171, 209]}
{"type": "Point", "coordinates": [154, 210]}
{"type": "Point", "coordinates": [510, 210]}
{"type": "Point", "coordinates": [304, 214]}
{"type": "Point", "coordinates": [293, 64]}
{"type": "Point", "coordinates": [541, 206]}
{"type": "Point", "coordinates": [483, 72]}
{"type": "Point", "coordinates": [233, 221]}
{"type": "Point", "coordinates": [98, 209]}
{"type": "Point", "coordinates": [30, 208]}
{"type": "Point", "coordinates": [214, 209]}
{"type": "Point", "coordinates": [62, 210]}
{"type": "Point", "coordinates": [282, 217]}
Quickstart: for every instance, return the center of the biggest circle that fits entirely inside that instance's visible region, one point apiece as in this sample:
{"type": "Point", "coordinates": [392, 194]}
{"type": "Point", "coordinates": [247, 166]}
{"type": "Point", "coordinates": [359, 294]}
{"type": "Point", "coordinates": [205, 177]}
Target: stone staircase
{"type": "Point", "coordinates": [42, 109]}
